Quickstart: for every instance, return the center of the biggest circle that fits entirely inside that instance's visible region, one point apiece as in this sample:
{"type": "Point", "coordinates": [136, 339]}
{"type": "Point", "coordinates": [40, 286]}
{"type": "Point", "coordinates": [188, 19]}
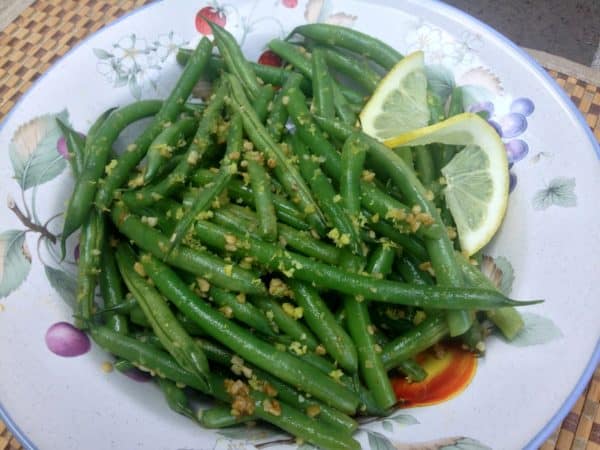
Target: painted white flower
{"type": "Point", "coordinates": [111, 70]}
{"type": "Point", "coordinates": [425, 38]}
{"type": "Point", "coordinates": [168, 44]}
{"type": "Point", "coordinates": [131, 52]}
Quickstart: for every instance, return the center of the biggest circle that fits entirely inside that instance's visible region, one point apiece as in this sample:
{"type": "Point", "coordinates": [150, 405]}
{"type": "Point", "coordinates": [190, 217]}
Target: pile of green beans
{"type": "Point", "coordinates": [260, 249]}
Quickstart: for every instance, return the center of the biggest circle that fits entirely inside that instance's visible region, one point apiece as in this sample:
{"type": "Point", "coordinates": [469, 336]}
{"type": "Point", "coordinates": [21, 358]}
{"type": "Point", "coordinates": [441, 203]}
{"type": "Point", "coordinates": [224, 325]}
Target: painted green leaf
{"type": "Point", "coordinates": [537, 330]}
{"type": "Point", "coordinates": [465, 443]}
{"type": "Point", "coordinates": [388, 426]}
{"type": "Point", "coordinates": [404, 419]}
{"type": "Point", "coordinates": [64, 284]}
{"type": "Point", "coordinates": [559, 192]}
{"type": "Point", "coordinates": [508, 274]}
{"type": "Point", "coordinates": [474, 94]}
{"type": "Point", "coordinates": [307, 447]}
{"type": "Point", "coordinates": [378, 441]}
{"type": "Point", "coordinates": [15, 261]}
{"type": "Point", "coordinates": [102, 54]}
{"type": "Point", "coordinates": [135, 88]}
{"type": "Point", "coordinates": [33, 150]}
{"type": "Point", "coordinates": [440, 80]}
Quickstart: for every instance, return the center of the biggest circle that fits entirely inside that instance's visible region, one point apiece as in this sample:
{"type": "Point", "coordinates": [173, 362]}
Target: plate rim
{"type": "Point", "coordinates": [550, 83]}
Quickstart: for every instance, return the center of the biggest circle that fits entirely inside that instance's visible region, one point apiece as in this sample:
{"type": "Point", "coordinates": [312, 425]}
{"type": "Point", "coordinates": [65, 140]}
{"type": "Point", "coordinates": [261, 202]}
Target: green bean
{"type": "Point", "coordinates": [275, 76]}
{"type": "Point", "coordinates": [361, 329]}
{"type": "Point", "coordinates": [263, 355]}
{"type": "Point", "coordinates": [145, 356]}
{"type": "Point", "coordinates": [171, 334]}
{"type": "Point", "coordinates": [196, 261]}
{"type": "Point", "coordinates": [413, 371]}
{"type": "Point", "coordinates": [262, 101]}
{"type": "Point", "coordinates": [284, 170]}
{"type": "Point", "coordinates": [260, 182]}
{"type": "Point", "coordinates": [241, 310]}
{"type": "Point", "coordinates": [192, 157]}
{"type": "Point", "coordinates": [97, 153]}
{"type": "Point", "coordinates": [111, 287]}
{"type": "Point", "coordinates": [161, 149]}
{"type": "Point", "coordinates": [372, 198]}
{"type": "Point", "coordinates": [508, 320]}
{"type": "Point", "coordinates": [137, 317]}
{"type": "Point", "coordinates": [286, 324]}
{"type": "Point", "coordinates": [220, 417]}
{"type": "Point", "coordinates": [234, 60]}
{"type": "Point", "coordinates": [169, 111]}
{"type": "Point", "coordinates": [353, 158]}
{"type": "Point", "coordinates": [429, 332]}
{"type": "Point", "coordinates": [304, 427]}
{"type": "Point", "coordinates": [322, 85]}
{"type": "Point", "coordinates": [424, 165]}
{"type": "Point", "coordinates": [357, 69]}
{"type": "Point", "coordinates": [297, 56]}
{"type": "Point", "coordinates": [278, 115]}
{"type": "Point", "coordinates": [176, 398]}
{"type": "Point", "coordinates": [344, 233]}
{"type": "Point", "coordinates": [322, 322]}
{"type": "Point", "coordinates": [440, 249]}
{"type": "Point", "coordinates": [352, 40]}
{"type": "Point", "coordinates": [202, 201]}
{"type": "Point", "coordinates": [284, 209]}
{"type": "Point", "coordinates": [343, 108]}
{"type": "Point", "coordinates": [474, 338]}
{"type": "Point", "coordinates": [90, 248]}
{"type": "Point", "coordinates": [243, 220]}
{"type": "Point", "coordinates": [302, 268]}
{"type": "Point", "coordinates": [411, 273]}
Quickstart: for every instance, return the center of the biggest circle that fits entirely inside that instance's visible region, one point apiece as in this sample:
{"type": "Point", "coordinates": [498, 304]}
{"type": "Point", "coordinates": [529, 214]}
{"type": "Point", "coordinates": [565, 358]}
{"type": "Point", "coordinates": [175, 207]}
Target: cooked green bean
{"type": "Point", "coordinates": [260, 182]}
{"type": "Point", "coordinates": [238, 308]}
{"type": "Point", "coordinates": [286, 324]}
{"type": "Point", "coordinates": [352, 161]}
{"type": "Point", "coordinates": [171, 334]}
{"type": "Point", "coordinates": [323, 324]}
{"type": "Point", "coordinates": [322, 85]}
{"type": "Point", "coordinates": [162, 148]}
{"type": "Point", "coordinates": [111, 288]}
{"type": "Point", "coordinates": [302, 268]}
{"type": "Point", "coordinates": [352, 40]}
{"type": "Point", "coordinates": [196, 261]}
{"type": "Point", "coordinates": [263, 355]}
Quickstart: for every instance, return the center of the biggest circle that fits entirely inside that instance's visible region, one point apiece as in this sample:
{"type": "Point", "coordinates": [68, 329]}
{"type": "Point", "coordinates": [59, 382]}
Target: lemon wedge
{"type": "Point", "coordinates": [477, 178]}
{"type": "Point", "coordinates": [399, 104]}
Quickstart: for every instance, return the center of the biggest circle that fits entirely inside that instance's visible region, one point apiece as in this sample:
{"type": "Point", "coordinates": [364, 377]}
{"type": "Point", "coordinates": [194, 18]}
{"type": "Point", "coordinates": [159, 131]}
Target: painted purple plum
{"type": "Point", "coordinates": [496, 126]}
{"type": "Point", "coordinates": [512, 181]}
{"type": "Point", "coordinates": [516, 150]}
{"type": "Point", "coordinates": [482, 106]}
{"type": "Point", "coordinates": [512, 125]}
{"type": "Point", "coordinates": [523, 106]}
{"type": "Point", "coordinates": [64, 339]}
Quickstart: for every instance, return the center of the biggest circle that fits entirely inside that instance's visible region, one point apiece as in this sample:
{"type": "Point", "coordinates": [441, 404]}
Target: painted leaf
{"type": "Point", "coordinates": [537, 330]}
{"type": "Point", "coordinates": [135, 88]}
{"type": "Point", "coordinates": [475, 94]}
{"type": "Point", "coordinates": [15, 261]}
{"type": "Point", "coordinates": [378, 441]}
{"type": "Point", "coordinates": [465, 443]}
{"type": "Point", "coordinates": [102, 54]}
{"type": "Point", "coordinates": [64, 284]}
{"type": "Point", "coordinates": [559, 192]}
{"type": "Point", "coordinates": [312, 13]}
{"type": "Point", "coordinates": [388, 426]}
{"type": "Point", "coordinates": [234, 432]}
{"type": "Point", "coordinates": [508, 274]}
{"type": "Point", "coordinates": [33, 150]}
{"type": "Point", "coordinates": [404, 419]}
{"type": "Point", "coordinates": [440, 80]}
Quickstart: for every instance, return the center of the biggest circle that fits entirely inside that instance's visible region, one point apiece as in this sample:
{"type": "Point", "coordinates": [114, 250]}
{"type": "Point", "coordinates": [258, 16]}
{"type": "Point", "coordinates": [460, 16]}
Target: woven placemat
{"type": "Point", "coordinates": [49, 28]}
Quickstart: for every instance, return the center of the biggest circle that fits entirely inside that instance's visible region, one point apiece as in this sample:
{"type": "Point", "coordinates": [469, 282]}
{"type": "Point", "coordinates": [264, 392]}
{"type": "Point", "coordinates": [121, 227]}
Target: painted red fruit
{"type": "Point", "coordinates": [268, 58]}
{"type": "Point", "coordinates": [289, 3]}
{"type": "Point", "coordinates": [212, 14]}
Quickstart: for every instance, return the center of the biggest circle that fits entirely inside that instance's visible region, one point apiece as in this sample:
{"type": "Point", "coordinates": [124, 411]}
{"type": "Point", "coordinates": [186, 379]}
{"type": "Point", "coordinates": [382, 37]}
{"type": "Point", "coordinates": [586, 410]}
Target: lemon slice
{"type": "Point", "coordinates": [477, 177]}
{"type": "Point", "coordinates": [399, 103]}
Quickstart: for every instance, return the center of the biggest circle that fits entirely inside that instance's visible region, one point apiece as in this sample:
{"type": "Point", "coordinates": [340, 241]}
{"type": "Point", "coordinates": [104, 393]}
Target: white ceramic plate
{"type": "Point", "coordinates": [548, 246]}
